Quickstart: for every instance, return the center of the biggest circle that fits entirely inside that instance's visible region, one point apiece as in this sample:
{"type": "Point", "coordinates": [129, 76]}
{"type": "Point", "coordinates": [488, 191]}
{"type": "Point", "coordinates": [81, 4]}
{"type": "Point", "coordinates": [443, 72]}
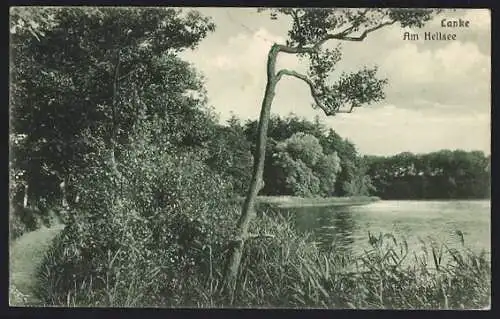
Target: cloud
{"type": "Point", "coordinates": [223, 62]}
{"type": "Point", "coordinates": [457, 74]}
{"type": "Point", "coordinates": [438, 94]}
{"type": "Point", "coordinates": [479, 17]}
{"type": "Point", "coordinates": [236, 71]}
{"type": "Point", "coordinates": [388, 130]}
{"type": "Point", "coordinates": [248, 52]}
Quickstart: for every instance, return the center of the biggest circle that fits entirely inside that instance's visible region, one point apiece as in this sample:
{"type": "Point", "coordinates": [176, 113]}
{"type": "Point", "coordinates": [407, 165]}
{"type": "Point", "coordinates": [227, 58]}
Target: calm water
{"type": "Point", "coordinates": [347, 227]}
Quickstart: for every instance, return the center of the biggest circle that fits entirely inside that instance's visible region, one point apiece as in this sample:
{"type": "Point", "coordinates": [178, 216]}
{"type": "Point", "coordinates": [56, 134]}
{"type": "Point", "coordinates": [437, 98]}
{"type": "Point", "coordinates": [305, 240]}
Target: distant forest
{"type": "Point", "coordinates": [304, 158]}
{"type": "Point", "coordinates": [438, 175]}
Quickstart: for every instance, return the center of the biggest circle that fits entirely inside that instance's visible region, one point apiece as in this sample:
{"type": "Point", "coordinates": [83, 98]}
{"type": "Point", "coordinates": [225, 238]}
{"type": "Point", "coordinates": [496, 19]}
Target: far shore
{"type": "Point", "coordinates": [298, 202]}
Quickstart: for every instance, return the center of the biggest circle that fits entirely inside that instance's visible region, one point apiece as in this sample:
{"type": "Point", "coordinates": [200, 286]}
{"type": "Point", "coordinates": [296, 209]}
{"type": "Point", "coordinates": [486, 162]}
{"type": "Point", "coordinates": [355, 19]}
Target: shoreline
{"type": "Point", "coordinates": [300, 202]}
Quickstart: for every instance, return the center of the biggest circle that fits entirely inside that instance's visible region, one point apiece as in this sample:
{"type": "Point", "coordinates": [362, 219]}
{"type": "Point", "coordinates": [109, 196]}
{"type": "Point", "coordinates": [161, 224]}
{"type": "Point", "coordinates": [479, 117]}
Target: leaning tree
{"type": "Point", "coordinates": [310, 30]}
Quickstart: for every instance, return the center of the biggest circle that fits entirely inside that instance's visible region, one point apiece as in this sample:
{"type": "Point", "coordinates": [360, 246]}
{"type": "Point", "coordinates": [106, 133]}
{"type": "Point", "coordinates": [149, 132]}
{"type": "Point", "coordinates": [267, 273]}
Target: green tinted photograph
{"type": "Point", "coordinates": [216, 157]}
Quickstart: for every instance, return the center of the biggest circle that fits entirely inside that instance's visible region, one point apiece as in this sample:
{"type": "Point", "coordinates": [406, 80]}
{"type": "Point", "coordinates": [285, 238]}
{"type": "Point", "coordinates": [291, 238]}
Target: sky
{"type": "Point", "coordinates": [438, 96]}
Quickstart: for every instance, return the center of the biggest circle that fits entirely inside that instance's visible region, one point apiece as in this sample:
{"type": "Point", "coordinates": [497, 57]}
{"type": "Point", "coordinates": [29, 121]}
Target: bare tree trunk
{"type": "Point", "coordinates": [248, 209]}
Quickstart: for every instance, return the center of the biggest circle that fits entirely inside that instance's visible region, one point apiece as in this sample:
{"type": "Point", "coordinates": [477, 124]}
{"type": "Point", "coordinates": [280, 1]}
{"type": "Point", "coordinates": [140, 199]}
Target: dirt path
{"type": "Point", "coordinates": [26, 253]}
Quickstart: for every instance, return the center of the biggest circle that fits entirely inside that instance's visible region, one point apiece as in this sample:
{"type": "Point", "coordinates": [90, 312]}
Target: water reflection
{"type": "Point", "coordinates": [332, 228]}
{"type": "Point", "coordinates": [345, 229]}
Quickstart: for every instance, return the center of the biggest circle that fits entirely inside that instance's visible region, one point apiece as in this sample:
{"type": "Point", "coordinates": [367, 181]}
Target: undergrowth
{"type": "Point", "coordinates": [282, 268]}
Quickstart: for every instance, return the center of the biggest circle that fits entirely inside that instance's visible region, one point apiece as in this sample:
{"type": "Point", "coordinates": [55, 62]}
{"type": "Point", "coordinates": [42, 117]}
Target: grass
{"type": "Point", "coordinates": [290, 271]}
{"type": "Point", "coordinates": [26, 253]}
{"type": "Point", "coordinates": [299, 202]}
{"type": "Point", "coordinates": [285, 269]}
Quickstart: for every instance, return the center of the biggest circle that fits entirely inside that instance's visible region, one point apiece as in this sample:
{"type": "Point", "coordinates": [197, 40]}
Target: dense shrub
{"type": "Point", "coordinates": [134, 238]}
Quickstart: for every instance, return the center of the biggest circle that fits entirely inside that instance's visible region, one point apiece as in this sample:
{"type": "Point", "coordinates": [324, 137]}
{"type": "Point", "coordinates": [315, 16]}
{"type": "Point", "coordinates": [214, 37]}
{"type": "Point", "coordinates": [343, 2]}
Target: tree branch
{"type": "Point", "coordinates": [311, 86]}
{"type": "Point", "coordinates": [116, 80]}
{"type": "Point", "coordinates": [130, 72]}
{"type": "Point", "coordinates": [342, 35]}
{"type": "Point", "coordinates": [364, 34]}
{"type": "Point", "coordinates": [350, 110]}
{"type": "Point", "coordinates": [295, 17]}
{"type": "Point", "coordinates": [351, 27]}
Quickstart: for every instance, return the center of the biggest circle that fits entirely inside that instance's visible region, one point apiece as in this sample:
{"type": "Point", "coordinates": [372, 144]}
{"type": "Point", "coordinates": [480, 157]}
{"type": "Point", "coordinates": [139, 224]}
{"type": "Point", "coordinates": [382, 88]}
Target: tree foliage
{"type": "Point", "coordinates": [302, 169]}
{"type": "Point", "coordinates": [311, 28]}
{"type": "Point", "coordinates": [323, 150]}
{"type": "Point", "coordinates": [443, 174]}
{"type": "Point", "coordinates": [154, 223]}
{"type": "Point", "coordinates": [92, 76]}
{"type": "Point", "coordinates": [32, 21]}
{"type": "Point", "coordinates": [110, 79]}
{"type": "Point", "coordinates": [302, 147]}
{"type": "Point", "coordinates": [230, 154]}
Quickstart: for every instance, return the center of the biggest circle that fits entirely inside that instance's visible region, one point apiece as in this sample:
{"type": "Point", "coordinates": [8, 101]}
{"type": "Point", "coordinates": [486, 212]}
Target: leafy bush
{"type": "Point", "coordinates": [301, 168]}
{"type": "Point", "coordinates": [134, 238]}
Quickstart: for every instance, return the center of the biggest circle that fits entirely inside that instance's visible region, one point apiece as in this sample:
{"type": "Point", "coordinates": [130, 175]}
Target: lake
{"type": "Point", "coordinates": [347, 227]}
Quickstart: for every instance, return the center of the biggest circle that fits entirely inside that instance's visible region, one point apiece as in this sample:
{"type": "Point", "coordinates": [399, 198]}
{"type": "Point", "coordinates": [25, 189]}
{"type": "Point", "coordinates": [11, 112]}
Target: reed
{"type": "Point", "coordinates": [282, 268]}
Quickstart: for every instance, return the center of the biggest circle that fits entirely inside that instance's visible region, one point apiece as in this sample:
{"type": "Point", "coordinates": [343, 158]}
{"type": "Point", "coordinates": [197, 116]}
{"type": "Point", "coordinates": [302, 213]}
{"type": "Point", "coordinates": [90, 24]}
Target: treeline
{"type": "Point", "coordinates": [303, 158]}
{"type": "Point", "coordinates": [438, 175]}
